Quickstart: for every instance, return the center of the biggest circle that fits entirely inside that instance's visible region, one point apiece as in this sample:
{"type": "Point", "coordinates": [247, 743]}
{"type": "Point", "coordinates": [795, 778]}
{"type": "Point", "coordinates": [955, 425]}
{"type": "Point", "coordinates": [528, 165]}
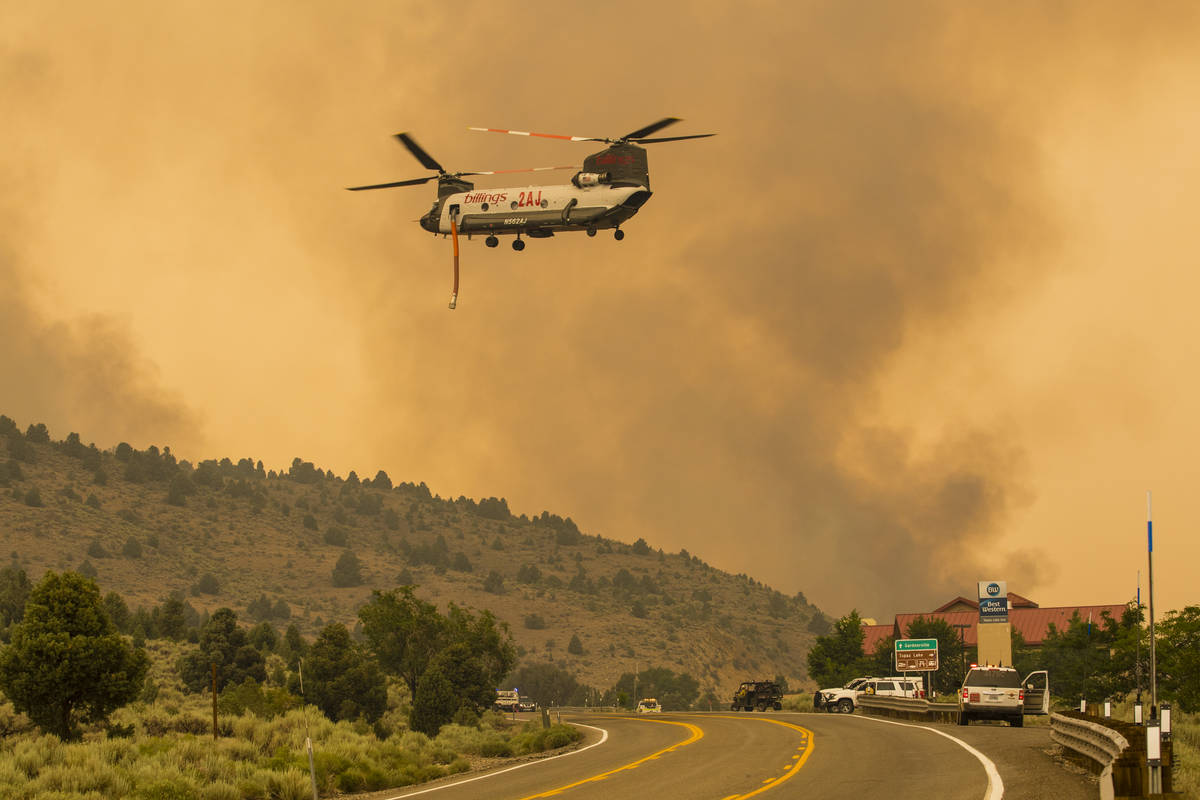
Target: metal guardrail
{"type": "Point", "coordinates": [1115, 750]}
{"type": "Point", "coordinates": [914, 708]}
{"type": "Point", "coordinates": [1102, 745]}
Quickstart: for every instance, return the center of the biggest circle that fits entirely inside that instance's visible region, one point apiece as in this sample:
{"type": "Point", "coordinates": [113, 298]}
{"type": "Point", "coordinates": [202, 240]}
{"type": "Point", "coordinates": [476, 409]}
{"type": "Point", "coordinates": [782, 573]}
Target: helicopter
{"type": "Point", "coordinates": [611, 187]}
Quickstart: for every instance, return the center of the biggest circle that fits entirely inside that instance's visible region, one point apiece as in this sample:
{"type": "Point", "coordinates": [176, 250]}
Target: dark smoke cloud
{"type": "Point", "coordinates": [85, 375]}
{"type": "Point", "coordinates": [718, 381]}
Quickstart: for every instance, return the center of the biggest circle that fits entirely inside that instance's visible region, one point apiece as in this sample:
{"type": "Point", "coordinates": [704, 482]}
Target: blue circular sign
{"type": "Point", "coordinates": [993, 589]}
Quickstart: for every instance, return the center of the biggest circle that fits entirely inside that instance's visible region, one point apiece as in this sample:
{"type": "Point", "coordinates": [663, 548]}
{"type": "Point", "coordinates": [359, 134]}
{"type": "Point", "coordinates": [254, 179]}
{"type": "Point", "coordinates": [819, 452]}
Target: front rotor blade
{"type": "Point", "coordinates": [414, 148]}
{"type": "Point", "coordinates": [412, 182]}
{"type": "Point", "coordinates": [649, 129]}
{"type": "Point", "coordinates": [673, 138]}
{"type": "Point", "coordinates": [542, 135]}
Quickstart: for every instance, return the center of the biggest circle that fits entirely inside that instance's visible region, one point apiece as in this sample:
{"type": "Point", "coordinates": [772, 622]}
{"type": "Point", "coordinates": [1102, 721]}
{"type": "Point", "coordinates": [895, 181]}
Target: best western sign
{"type": "Point", "coordinates": [993, 601]}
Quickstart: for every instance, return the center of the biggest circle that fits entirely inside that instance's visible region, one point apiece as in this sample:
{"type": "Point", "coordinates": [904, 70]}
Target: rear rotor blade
{"type": "Point", "coordinates": [673, 138]}
{"type": "Point", "coordinates": [649, 129]}
{"type": "Point", "coordinates": [426, 160]}
{"type": "Point", "coordinates": [412, 182]}
{"type": "Point", "coordinates": [509, 171]}
{"type": "Point", "coordinates": [542, 135]}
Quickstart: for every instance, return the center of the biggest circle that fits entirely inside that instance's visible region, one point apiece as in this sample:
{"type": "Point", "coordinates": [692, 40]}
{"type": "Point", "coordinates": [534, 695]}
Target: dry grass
{"type": "Point", "coordinates": [256, 759]}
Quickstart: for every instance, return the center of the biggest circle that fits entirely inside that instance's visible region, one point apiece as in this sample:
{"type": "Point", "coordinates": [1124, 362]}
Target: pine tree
{"type": "Point", "coordinates": [67, 664]}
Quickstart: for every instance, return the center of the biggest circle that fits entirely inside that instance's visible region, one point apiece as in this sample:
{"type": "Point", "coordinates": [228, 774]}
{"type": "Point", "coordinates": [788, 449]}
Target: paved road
{"type": "Point", "coordinates": [779, 755]}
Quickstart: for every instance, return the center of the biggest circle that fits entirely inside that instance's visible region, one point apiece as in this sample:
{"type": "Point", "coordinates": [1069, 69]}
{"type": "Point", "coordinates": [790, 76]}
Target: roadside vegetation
{"type": "Point", "coordinates": [89, 711]}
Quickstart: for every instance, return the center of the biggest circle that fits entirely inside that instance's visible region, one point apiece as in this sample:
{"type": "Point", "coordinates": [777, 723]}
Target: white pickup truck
{"type": "Point", "coordinates": [845, 699]}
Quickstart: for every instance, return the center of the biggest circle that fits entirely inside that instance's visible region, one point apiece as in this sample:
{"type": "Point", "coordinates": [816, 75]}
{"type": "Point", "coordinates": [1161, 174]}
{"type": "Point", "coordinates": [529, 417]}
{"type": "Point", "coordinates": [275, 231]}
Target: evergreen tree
{"type": "Point", "coordinates": [548, 685]}
{"type": "Point", "coordinates": [348, 570]}
{"type": "Point", "coordinates": [14, 592]}
{"type": "Point", "coordinates": [342, 679]}
{"type": "Point", "coordinates": [67, 664]}
{"type": "Point", "coordinates": [170, 619]}
{"type": "Point", "coordinates": [837, 658]}
{"type": "Point", "coordinates": [224, 643]}
{"type": "Point", "coordinates": [118, 611]}
{"type": "Point", "coordinates": [1179, 657]}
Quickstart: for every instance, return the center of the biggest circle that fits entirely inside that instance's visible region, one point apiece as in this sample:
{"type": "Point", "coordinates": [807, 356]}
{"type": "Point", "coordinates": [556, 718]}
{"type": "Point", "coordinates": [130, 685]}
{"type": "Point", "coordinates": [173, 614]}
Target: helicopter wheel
{"type": "Point", "coordinates": [491, 241]}
{"type": "Point", "coordinates": [591, 231]}
{"type": "Point", "coordinates": [518, 245]}
{"type": "Point", "coordinates": [618, 234]}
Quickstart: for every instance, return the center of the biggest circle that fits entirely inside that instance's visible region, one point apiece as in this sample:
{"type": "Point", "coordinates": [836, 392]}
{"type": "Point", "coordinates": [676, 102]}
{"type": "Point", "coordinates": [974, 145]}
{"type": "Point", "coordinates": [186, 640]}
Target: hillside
{"type": "Point", "coordinates": [231, 534]}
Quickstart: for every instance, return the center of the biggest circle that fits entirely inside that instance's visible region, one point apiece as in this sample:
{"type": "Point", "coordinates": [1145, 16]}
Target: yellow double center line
{"type": "Point", "coordinates": [697, 734]}
{"type": "Point", "coordinates": [803, 752]}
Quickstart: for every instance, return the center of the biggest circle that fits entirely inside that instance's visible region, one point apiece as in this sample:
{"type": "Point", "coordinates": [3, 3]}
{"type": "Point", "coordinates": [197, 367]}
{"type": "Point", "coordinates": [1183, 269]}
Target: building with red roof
{"type": "Point", "coordinates": [1027, 618]}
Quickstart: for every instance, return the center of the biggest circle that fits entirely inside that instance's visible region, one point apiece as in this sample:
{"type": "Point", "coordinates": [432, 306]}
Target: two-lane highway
{"type": "Point", "coordinates": [723, 756]}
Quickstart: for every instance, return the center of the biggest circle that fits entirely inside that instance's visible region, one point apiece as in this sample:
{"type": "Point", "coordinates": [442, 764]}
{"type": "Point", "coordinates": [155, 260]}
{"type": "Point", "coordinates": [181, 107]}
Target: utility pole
{"type": "Point", "coordinates": [1150, 559]}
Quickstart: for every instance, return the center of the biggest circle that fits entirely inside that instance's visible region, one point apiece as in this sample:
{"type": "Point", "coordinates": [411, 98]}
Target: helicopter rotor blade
{"type": "Point", "coordinates": [412, 182]}
{"type": "Point", "coordinates": [651, 128]}
{"type": "Point", "coordinates": [673, 138]}
{"type": "Point", "coordinates": [510, 171]}
{"type": "Point", "coordinates": [426, 160]}
{"type": "Point", "coordinates": [542, 135]}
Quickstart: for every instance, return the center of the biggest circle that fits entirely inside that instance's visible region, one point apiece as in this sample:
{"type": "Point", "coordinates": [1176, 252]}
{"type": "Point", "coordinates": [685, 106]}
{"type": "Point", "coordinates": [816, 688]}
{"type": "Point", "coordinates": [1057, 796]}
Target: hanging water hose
{"type": "Point", "coordinates": [454, 235]}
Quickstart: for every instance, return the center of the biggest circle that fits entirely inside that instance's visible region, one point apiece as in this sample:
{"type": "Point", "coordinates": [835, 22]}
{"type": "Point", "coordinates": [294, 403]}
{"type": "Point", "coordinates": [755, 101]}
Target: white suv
{"type": "Point", "coordinates": [992, 693]}
{"type": "Point", "coordinates": [846, 698]}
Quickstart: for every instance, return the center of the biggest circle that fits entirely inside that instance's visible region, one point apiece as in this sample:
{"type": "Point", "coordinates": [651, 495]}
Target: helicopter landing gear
{"type": "Point", "coordinates": [491, 241]}
{"type": "Point", "coordinates": [591, 231]}
{"type": "Point", "coordinates": [618, 234]}
{"type": "Point", "coordinates": [518, 245]}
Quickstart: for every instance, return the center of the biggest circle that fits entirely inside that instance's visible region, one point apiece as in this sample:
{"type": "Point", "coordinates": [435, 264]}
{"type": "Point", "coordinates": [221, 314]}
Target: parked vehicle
{"type": "Point", "coordinates": [999, 693]}
{"type": "Point", "coordinates": [507, 700]}
{"type": "Point", "coordinates": [648, 705]}
{"type": "Point", "coordinates": [757, 694]}
{"type": "Point", "coordinates": [845, 699]}
{"type": "Point", "coordinates": [526, 704]}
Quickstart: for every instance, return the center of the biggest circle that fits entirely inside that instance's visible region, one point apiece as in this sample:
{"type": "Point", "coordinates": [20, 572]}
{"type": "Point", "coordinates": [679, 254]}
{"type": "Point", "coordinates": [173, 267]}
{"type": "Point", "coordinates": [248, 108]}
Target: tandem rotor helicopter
{"type": "Point", "coordinates": [610, 188]}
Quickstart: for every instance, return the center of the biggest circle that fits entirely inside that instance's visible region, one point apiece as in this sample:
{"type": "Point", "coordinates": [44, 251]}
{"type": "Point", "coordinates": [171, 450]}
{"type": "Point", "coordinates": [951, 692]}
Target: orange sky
{"type": "Point", "coordinates": [920, 315]}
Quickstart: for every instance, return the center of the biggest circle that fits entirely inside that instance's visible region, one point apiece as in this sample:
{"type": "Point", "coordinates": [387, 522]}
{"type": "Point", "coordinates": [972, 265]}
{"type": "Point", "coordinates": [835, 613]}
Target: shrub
{"type": "Point", "coordinates": [535, 622]}
{"type": "Point", "coordinates": [132, 548]}
{"type": "Point", "coordinates": [494, 583]}
{"type": "Point", "coordinates": [348, 570]}
{"type": "Point", "coordinates": [208, 584]}
{"type": "Point", "coordinates": [33, 498]}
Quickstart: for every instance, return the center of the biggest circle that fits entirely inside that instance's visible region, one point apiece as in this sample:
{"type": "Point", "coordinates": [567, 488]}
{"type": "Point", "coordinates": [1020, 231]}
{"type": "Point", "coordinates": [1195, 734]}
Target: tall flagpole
{"type": "Point", "coordinates": [1150, 559]}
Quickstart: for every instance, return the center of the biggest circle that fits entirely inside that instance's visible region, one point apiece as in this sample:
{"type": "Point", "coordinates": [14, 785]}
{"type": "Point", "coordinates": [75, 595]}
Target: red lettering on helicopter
{"type": "Point", "coordinates": [529, 199]}
{"type": "Point", "coordinates": [485, 197]}
{"type": "Point", "coordinates": [613, 158]}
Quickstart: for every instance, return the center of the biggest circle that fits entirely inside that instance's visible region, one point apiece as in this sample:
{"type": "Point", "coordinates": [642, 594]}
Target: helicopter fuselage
{"type": "Point", "coordinates": [537, 211]}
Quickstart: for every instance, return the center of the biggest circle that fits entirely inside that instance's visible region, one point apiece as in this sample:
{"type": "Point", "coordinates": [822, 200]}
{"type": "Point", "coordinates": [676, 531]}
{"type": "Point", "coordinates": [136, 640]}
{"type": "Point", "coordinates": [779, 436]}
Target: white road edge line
{"type": "Point", "coordinates": [603, 739]}
{"type": "Point", "coordinates": [995, 787]}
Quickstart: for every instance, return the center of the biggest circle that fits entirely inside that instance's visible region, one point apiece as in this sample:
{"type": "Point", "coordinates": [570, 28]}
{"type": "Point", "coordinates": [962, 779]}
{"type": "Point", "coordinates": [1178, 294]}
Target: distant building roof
{"type": "Point", "coordinates": [961, 603]}
{"type": "Point", "coordinates": [1031, 621]}
{"type": "Point", "coordinates": [873, 634]}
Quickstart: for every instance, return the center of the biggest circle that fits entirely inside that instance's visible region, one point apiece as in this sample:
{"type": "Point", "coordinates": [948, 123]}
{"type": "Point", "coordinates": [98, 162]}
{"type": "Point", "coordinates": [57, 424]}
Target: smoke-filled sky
{"type": "Point", "coordinates": [921, 314]}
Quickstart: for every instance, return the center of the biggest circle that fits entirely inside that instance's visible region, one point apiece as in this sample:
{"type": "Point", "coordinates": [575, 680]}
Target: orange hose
{"type": "Point", "coordinates": [454, 234]}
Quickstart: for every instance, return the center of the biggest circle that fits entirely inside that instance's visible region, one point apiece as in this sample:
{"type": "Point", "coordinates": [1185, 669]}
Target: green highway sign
{"type": "Point", "coordinates": [916, 655]}
{"type": "Point", "coordinates": [905, 645]}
